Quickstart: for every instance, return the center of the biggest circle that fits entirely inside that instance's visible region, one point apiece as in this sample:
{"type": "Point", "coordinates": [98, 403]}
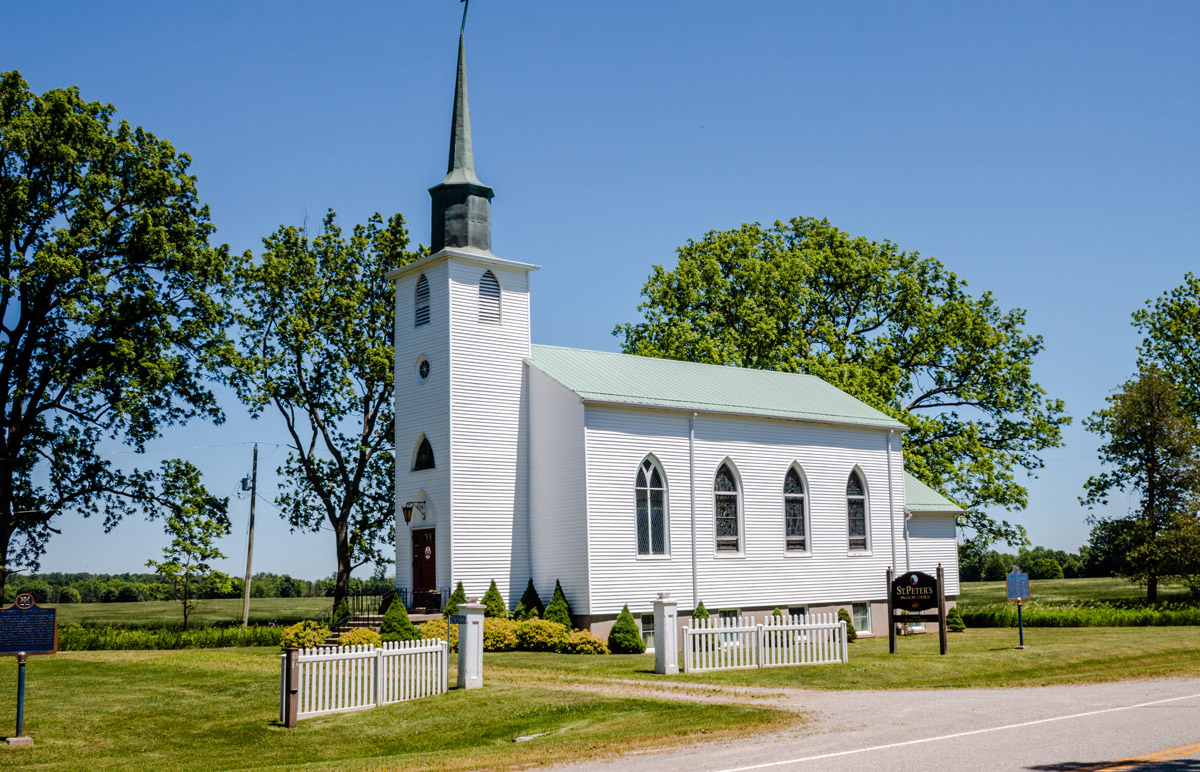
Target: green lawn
{"type": "Point", "coordinates": [1064, 592]}
{"type": "Point", "coordinates": [216, 709]}
{"type": "Point", "coordinates": [222, 611]}
{"type": "Point", "coordinates": [978, 658]}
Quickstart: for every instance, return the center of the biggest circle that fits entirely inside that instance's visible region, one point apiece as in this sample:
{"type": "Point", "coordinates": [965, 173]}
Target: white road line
{"type": "Point", "coordinates": [953, 736]}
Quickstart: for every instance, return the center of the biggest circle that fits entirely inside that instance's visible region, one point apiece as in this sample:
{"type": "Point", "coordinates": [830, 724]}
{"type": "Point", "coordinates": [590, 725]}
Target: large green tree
{"type": "Point", "coordinates": [1151, 450]}
{"type": "Point", "coordinates": [1170, 326]}
{"type": "Point", "coordinates": [108, 309]}
{"type": "Point", "coordinates": [895, 329]}
{"type": "Point", "coordinates": [316, 348]}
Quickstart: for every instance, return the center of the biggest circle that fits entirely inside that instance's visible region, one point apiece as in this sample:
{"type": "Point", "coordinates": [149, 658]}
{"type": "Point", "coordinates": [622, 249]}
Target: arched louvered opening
{"type": "Point", "coordinates": [489, 298]}
{"type": "Point", "coordinates": [856, 511]}
{"type": "Point", "coordinates": [424, 456]}
{"type": "Point", "coordinates": [795, 527]}
{"type": "Point", "coordinates": [726, 500]}
{"type": "Point", "coordinates": [651, 495]}
{"type": "Point", "coordinates": [421, 315]}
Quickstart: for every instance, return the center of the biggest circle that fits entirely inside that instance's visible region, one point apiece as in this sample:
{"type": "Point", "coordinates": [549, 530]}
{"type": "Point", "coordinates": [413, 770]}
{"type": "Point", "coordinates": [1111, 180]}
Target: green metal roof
{"type": "Point", "coordinates": [623, 379]}
{"type": "Point", "coordinates": [919, 497]}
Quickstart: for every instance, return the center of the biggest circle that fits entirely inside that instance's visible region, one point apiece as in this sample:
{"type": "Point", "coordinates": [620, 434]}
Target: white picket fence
{"type": "Point", "coordinates": [737, 644]}
{"type": "Point", "coordinates": [345, 678]}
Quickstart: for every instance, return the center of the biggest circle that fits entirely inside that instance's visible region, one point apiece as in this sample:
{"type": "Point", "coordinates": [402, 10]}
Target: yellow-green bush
{"type": "Point", "coordinates": [360, 636]}
{"type": "Point", "coordinates": [541, 635]}
{"type": "Point", "coordinates": [499, 635]}
{"type": "Point", "coordinates": [437, 628]}
{"type": "Point", "coordinates": [304, 635]}
{"type": "Point", "coordinates": [584, 642]}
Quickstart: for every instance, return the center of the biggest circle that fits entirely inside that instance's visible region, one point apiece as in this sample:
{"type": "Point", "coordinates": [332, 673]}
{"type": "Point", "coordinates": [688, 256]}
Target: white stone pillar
{"type": "Point", "coordinates": [470, 644]}
{"type": "Point", "coordinates": [666, 635]}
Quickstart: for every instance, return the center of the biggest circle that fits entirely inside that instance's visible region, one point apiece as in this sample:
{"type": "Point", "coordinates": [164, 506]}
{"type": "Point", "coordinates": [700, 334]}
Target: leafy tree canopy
{"type": "Point", "coordinates": [1170, 325]}
{"type": "Point", "coordinates": [316, 348]}
{"type": "Point", "coordinates": [109, 309]}
{"type": "Point", "coordinates": [1152, 450]}
{"type": "Point", "coordinates": [897, 330]}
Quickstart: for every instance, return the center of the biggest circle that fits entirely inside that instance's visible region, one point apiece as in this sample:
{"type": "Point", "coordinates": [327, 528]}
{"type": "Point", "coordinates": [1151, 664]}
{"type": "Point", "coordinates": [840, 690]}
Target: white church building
{"type": "Point", "coordinates": [622, 476]}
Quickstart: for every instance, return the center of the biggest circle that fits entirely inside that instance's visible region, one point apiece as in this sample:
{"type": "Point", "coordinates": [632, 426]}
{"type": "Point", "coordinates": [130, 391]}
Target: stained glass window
{"type": "Point", "coordinates": [726, 510]}
{"type": "Point", "coordinates": [793, 512]}
{"type": "Point", "coordinates": [856, 512]}
{"type": "Point", "coordinates": [650, 495]}
{"type": "Point", "coordinates": [424, 458]}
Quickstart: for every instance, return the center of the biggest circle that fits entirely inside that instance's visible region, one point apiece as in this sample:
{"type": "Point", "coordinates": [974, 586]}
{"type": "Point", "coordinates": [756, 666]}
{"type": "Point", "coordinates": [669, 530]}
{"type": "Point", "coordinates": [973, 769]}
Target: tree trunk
{"type": "Point", "coordinates": [1152, 589]}
{"type": "Point", "coordinates": [341, 588]}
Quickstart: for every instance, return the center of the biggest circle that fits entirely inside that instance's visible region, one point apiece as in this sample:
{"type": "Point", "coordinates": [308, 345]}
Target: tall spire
{"type": "Point", "coordinates": [461, 203]}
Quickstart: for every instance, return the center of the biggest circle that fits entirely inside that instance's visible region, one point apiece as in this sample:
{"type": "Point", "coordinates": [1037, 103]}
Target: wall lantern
{"type": "Point", "coordinates": [407, 509]}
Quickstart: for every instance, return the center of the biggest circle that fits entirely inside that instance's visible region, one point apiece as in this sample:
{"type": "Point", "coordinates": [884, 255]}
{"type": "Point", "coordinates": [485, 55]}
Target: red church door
{"type": "Point", "coordinates": [424, 557]}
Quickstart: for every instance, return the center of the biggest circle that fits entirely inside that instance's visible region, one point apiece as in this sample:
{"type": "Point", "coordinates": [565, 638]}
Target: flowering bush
{"type": "Point", "coordinates": [304, 635]}
{"type": "Point", "coordinates": [360, 636]}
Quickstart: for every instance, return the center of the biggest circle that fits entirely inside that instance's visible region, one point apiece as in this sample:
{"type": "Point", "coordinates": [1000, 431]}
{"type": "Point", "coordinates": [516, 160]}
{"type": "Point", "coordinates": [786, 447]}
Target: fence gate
{"type": "Point", "coordinates": [742, 643]}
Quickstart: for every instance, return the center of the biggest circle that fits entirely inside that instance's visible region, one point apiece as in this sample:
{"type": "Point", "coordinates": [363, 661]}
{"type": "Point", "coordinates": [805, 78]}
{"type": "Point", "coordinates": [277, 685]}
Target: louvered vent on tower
{"type": "Point", "coordinates": [422, 313]}
{"type": "Point", "coordinates": [489, 299]}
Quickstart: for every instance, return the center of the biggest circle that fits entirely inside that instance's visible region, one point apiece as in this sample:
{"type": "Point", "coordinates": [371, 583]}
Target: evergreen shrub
{"type": "Point", "coordinates": [304, 635]}
{"type": "Point", "coordinates": [360, 636]}
{"type": "Point", "coordinates": [494, 604]}
{"type": "Point", "coordinates": [954, 621]}
{"type": "Point", "coordinates": [844, 616]}
{"type": "Point", "coordinates": [625, 637]}
{"type": "Point", "coordinates": [396, 626]}
{"type": "Point", "coordinates": [530, 606]}
{"type": "Point", "coordinates": [558, 610]}
{"type": "Point", "coordinates": [700, 612]}
{"type": "Point", "coordinates": [458, 596]}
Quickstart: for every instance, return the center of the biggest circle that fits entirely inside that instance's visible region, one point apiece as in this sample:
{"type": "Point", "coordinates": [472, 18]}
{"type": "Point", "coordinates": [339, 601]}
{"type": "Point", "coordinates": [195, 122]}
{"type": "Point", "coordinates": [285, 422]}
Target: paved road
{"type": "Point", "coordinates": [1147, 726]}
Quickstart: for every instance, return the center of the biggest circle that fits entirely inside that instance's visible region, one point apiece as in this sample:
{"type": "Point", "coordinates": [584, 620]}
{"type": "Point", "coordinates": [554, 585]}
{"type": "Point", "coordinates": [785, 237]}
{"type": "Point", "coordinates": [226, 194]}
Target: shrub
{"type": "Point", "coordinates": [777, 615]}
{"type": "Point", "coordinates": [541, 635]}
{"type": "Point", "coordinates": [458, 596]}
{"type": "Point", "coordinates": [396, 626]}
{"type": "Point", "coordinates": [700, 612]}
{"type": "Point", "coordinates": [844, 616]}
{"type": "Point", "coordinates": [304, 635]}
{"type": "Point", "coordinates": [360, 636]}
{"type": "Point", "coordinates": [625, 637]}
{"type": "Point", "coordinates": [494, 605]}
{"type": "Point", "coordinates": [530, 605]}
{"type": "Point", "coordinates": [954, 621]}
{"type": "Point", "coordinates": [558, 610]}
{"type": "Point", "coordinates": [438, 629]}
{"type": "Point", "coordinates": [584, 642]}
{"type": "Point", "coordinates": [38, 589]}
{"type": "Point", "coordinates": [499, 634]}
{"type": "Point", "coordinates": [74, 637]}
{"type": "Point", "coordinates": [68, 595]}
{"type": "Point", "coordinates": [341, 614]}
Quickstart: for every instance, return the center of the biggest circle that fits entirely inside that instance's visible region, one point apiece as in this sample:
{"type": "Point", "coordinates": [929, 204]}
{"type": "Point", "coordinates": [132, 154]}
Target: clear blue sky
{"type": "Point", "coordinates": [1045, 152]}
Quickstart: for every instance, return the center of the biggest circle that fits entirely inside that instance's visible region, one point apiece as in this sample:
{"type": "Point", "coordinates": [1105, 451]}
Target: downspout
{"type": "Point", "coordinates": [907, 516]}
{"type": "Point", "coordinates": [692, 496]}
{"type": "Point", "coordinates": [892, 501]}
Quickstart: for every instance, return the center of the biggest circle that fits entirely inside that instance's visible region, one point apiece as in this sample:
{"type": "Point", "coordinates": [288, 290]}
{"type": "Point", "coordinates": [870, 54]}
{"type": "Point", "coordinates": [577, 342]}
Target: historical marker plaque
{"type": "Point", "coordinates": [1017, 583]}
{"type": "Point", "coordinates": [24, 627]}
{"type": "Point", "coordinates": [458, 619]}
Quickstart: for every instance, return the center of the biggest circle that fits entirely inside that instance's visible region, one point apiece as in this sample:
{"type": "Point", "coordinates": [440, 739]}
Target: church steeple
{"type": "Point", "coordinates": [462, 205]}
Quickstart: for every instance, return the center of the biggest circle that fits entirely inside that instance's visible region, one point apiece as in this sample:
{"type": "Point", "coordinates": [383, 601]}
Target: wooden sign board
{"type": "Point", "coordinates": [27, 629]}
{"type": "Point", "coordinates": [916, 591]}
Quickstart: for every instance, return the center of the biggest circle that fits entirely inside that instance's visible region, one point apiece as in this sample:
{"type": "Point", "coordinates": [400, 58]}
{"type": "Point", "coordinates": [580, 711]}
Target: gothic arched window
{"type": "Point", "coordinates": [856, 511]}
{"type": "Point", "coordinates": [651, 496]}
{"type": "Point", "coordinates": [421, 315]}
{"type": "Point", "coordinates": [489, 298]}
{"type": "Point", "coordinates": [726, 509]}
{"type": "Point", "coordinates": [424, 457]}
{"type": "Point", "coordinates": [794, 527]}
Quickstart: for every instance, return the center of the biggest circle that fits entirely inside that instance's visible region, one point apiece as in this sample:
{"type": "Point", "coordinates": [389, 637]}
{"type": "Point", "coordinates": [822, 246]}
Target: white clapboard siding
{"type": "Point", "coordinates": [489, 451]}
{"type": "Point", "coordinates": [742, 643]}
{"type": "Point", "coordinates": [423, 408]}
{"type": "Point", "coordinates": [931, 540]}
{"type": "Point", "coordinates": [761, 452]}
{"type": "Point", "coordinates": [350, 678]}
{"type": "Point", "coordinates": [557, 505]}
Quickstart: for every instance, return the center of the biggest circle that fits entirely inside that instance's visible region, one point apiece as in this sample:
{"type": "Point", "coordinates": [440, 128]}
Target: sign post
{"type": "Point", "coordinates": [1017, 584]}
{"type": "Point", "coordinates": [916, 591]}
{"type": "Point", "coordinates": [26, 629]}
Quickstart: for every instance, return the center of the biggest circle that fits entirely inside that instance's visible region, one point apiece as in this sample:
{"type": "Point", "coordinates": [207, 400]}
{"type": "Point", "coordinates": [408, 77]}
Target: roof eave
{"type": "Point", "coordinates": [462, 253]}
{"type": "Point", "coordinates": [830, 421]}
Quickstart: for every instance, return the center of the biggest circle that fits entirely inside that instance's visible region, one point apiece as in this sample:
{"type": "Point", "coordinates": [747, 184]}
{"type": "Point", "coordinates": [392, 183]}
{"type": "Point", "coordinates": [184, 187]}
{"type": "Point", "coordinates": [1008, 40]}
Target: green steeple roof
{"type": "Point", "coordinates": [461, 166]}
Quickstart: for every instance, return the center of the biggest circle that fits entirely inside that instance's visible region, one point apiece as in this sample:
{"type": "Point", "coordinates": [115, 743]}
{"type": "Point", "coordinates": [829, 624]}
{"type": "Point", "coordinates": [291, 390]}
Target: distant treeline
{"type": "Point", "coordinates": [128, 588]}
{"type": "Point", "coordinates": [1038, 562]}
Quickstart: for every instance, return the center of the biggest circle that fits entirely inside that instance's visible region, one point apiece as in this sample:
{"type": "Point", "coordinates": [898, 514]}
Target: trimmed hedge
{"type": "Point", "coordinates": [1005, 615]}
{"type": "Point", "coordinates": [360, 636]}
{"type": "Point", "coordinates": [304, 635]}
{"type": "Point", "coordinates": [523, 635]}
{"type": "Point", "coordinates": [73, 637]}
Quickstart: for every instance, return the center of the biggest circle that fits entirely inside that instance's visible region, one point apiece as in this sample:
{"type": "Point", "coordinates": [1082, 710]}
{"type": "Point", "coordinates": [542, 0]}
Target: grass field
{"type": "Point", "coordinates": [1064, 592]}
{"type": "Point", "coordinates": [210, 612]}
{"type": "Point", "coordinates": [179, 711]}
{"type": "Point", "coordinates": [1078, 603]}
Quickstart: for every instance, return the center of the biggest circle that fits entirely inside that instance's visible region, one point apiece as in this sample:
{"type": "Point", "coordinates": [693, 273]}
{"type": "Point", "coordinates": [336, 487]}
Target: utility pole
{"type": "Point", "coordinates": [250, 540]}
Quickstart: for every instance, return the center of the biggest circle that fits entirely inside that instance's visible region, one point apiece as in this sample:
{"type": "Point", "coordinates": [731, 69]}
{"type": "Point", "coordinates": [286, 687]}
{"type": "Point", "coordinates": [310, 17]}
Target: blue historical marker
{"type": "Point", "coordinates": [26, 629]}
{"type": "Point", "coordinates": [458, 619]}
{"type": "Point", "coordinates": [1017, 582]}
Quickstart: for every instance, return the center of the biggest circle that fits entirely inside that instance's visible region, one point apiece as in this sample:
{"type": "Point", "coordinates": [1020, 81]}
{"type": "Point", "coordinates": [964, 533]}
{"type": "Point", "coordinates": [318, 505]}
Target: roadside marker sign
{"type": "Point", "coordinates": [1017, 583]}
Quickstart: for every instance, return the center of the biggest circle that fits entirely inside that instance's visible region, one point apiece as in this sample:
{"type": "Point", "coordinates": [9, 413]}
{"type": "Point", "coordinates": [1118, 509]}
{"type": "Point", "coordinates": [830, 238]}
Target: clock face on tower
{"type": "Point", "coordinates": [422, 369]}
